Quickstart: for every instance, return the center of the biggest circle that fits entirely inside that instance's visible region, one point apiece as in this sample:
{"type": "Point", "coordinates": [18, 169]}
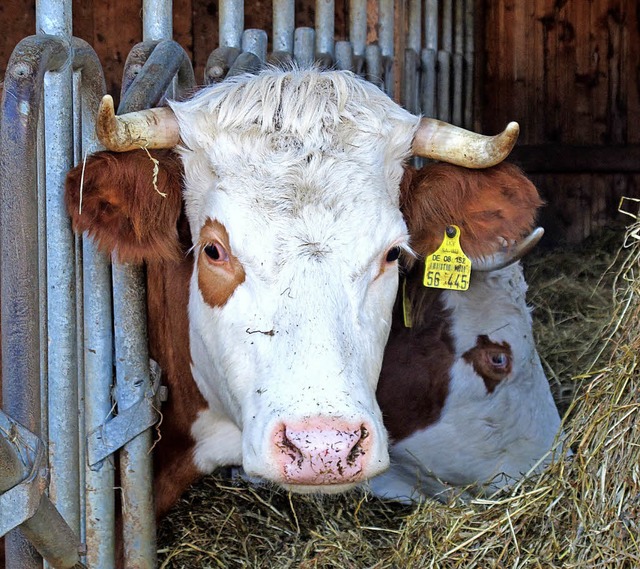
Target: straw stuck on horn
{"type": "Point", "coordinates": [151, 128]}
{"type": "Point", "coordinates": [443, 141]}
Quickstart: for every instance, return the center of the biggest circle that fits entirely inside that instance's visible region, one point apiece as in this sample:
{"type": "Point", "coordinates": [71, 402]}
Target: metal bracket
{"type": "Point", "coordinates": [114, 433]}
{"type": "Point", "coordinates": [21, 502]}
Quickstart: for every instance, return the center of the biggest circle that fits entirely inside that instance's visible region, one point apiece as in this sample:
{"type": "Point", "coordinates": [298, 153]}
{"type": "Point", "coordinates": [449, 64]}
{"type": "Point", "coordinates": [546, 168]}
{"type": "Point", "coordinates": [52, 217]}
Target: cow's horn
{"type": "Point", "coordinates": [443, 141]}
{"type": "Point", "coordinates": [509, 256]}
{"type": "Point", "coordinates": [151, 128]}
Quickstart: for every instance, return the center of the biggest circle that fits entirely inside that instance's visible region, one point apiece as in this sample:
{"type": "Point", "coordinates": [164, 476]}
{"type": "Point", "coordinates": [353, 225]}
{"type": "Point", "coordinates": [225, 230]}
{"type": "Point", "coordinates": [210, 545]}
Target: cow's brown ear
{"type": "Point", "coordinates": [126, 205]}
{"type": "Point", "coordinates": [497, 202]}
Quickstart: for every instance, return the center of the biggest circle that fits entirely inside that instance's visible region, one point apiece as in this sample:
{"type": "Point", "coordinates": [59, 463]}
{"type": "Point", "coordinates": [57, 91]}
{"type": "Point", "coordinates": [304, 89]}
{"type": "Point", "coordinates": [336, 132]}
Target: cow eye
{"type": "Point", "coordinates": [393, 254]}
{"type": "Point", "coordinates": [500, 360]}
{"type": "Point", "coordinates": [216, 253]}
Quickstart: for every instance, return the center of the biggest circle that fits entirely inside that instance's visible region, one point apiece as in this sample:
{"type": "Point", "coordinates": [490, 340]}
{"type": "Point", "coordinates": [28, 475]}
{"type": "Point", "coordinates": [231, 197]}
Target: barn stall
{"type": "Point", "coordinates": [566, 71]}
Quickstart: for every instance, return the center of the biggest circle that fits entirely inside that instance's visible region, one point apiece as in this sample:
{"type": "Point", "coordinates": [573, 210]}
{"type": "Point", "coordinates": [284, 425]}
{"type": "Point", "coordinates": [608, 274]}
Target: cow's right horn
{"type": "Point", "coordinates": [151, 128]}
{"type": "Point", "coordinates": [443, 141]}
{"type": "Point", "coordinates": [509, 255]}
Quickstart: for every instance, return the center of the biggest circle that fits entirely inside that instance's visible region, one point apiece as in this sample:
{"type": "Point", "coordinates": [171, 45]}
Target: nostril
{"type": "Point", "coordinates": [358, 450]}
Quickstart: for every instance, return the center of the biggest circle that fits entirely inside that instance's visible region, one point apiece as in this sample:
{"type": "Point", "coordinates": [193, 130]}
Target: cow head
{"type": "Point", "coordinates": [291, 191]}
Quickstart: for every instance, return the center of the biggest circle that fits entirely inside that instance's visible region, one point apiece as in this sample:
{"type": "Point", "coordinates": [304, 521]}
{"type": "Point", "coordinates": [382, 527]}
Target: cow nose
{"type": "Point", "coordinates": [323, 451]}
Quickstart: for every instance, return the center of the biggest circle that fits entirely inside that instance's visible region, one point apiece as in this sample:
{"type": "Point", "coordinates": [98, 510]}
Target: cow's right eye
{"type": "Point", "coordinates": [216, 253]}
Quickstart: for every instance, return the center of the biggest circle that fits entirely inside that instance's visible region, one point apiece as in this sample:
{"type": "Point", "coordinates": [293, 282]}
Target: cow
{"type": "Point", "coordinates": [271, 233]}
{"type": "Point", "coordinates": [463, 393]}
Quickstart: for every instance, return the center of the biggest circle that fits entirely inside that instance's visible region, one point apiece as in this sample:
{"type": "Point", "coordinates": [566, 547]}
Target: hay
{"type": "Point", "coordinates": [582, 512]}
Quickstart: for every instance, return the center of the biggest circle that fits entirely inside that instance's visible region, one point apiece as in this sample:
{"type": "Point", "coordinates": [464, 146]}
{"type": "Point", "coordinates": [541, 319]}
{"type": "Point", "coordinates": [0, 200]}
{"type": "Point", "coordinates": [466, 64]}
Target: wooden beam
{"type": "Point", "coordinates": [546, 158]}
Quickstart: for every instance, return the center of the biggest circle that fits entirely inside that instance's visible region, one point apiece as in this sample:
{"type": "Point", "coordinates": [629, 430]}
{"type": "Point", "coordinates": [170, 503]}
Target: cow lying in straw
{"type": "Point", "coordinates": [271, 265]}
{"type": "Point", "coordinates": [462, 391]}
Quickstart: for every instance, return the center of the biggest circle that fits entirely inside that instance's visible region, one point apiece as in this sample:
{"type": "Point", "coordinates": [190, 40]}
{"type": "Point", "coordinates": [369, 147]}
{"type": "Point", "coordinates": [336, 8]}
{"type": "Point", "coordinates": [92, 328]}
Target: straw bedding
{"type": "Point", "coordinates": [583, 511]}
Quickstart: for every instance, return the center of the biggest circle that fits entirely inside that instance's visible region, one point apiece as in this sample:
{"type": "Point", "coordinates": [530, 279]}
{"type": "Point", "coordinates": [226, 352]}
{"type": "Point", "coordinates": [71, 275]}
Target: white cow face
{"type": "Point", "coordinates": [292, 197]}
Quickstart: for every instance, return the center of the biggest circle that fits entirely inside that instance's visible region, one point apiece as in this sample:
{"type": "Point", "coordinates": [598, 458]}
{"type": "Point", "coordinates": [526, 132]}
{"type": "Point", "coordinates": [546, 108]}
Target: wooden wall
{"type": "Point", "coordinates": [567, 70]}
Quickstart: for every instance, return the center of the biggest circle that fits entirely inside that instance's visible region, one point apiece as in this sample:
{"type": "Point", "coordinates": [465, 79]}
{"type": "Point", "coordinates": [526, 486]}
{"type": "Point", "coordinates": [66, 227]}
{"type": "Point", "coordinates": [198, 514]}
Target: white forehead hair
{"type": "Point", "coordinates": [286, 125]}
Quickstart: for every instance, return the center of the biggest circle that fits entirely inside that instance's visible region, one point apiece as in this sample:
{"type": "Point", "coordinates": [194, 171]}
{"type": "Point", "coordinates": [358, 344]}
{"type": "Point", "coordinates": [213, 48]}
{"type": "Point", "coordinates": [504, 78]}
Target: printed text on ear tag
{"type": "Point", "coordinates": [448, 267]}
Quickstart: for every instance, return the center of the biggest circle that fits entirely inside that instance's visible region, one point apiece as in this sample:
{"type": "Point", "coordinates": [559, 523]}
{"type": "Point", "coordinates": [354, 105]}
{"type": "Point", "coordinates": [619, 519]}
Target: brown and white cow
{"type": "Point", "coordinates": [271, 265]}
{"type": "Point", "coordinates": [463, 393]}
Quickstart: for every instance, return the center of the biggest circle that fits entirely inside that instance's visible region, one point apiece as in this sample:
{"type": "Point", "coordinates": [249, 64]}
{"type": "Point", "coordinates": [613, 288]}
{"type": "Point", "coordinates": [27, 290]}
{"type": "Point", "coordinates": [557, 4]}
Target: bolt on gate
{"type": "Point", "coordinates": [70, 316]}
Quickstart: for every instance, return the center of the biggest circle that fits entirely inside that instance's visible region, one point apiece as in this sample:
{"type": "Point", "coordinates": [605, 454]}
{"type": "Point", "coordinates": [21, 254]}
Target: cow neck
{"type": "Point", "coordinates": [414, 380]}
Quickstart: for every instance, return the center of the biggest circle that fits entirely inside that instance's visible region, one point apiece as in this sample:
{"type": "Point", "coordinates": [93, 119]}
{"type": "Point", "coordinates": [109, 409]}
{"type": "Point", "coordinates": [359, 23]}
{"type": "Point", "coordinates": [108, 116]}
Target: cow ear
{"type": "Point", "coordinates": [489, 204]}
{"type": "Point", "coordinates": [129, 203]}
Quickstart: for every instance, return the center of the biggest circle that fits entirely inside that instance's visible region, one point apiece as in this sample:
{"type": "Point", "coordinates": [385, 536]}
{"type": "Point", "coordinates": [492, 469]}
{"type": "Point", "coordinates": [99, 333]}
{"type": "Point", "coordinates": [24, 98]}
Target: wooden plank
{"type": "Point", "coordinates": [631, 55]}
{"type": "Point", "coordinates": [574, 158]}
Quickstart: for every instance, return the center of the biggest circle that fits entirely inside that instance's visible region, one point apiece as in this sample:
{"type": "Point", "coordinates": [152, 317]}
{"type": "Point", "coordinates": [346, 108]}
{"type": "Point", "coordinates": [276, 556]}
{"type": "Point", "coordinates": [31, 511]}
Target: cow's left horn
{"type": "Point", "coordinates": [151, 128]}
{"type": "Point", "coordinates": [509, 256]}
{"type": "Point", "coordinates": [443, 141]}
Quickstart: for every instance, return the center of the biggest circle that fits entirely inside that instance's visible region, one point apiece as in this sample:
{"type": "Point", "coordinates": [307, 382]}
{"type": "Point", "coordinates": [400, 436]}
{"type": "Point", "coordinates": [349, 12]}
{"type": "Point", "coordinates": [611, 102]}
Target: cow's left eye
{"type": "Point", "coordinates": [393, 254]}
{"type": "Point", "coordinates": [216, 253]}
{"type": "Point", "coordinates": [500, 360]}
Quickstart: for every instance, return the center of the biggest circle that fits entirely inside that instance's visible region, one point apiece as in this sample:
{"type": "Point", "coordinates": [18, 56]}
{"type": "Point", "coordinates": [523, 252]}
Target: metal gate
{"type": "Point", "coordinates": [77, 383]}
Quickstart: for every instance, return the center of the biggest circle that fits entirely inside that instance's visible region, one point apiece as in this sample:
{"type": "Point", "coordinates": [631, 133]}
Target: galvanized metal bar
{"type": "Point", "coordinates": [444, 86]}
{"type": "Point", "coordinates": [446, 26]}
{"type": "Point", "coordinates": [22, 97]}
{"type": "Point", "coordinates": [220, 61]}
{"type": "Point", "coordinates": [469, 60]}
{"type": "Point", "coordinates": [284, 23]}
{"type": "Point", "coordinates": [428, 80]}
{"type": "Point", "coordinates": [231, 22]}
{"type": "Point", "coordinates": [157, 20]}
{"type": "Point", "coordinates": [431, 24]}
{"type": "Point", "coordinates": [62, 379]}
{"type": "Point", "coordinates": [358, 26]}
{"type": "Point", "coordinates": [458, 64]}
{"type": "Point", "coordinates": [373, 58]}
{"type": "Point", "coordinates": [303, 46]}
{"type": "Point", "coordinates": [344, 55]}
{"type": "Point", "coordinates": [97, 346]}
{"type": "Point", "coordinates": [325, 29]}
{"type": "Point", "coordinates": [414, 33]}
{"type": "Point", "coordinates": [255, 41]}
{"type": "Point", "coordinates": [411, 81]}
{"type": "Point", "coordinates": [246, 62]}
{"type": "Point", "coordinates": [386, 28]}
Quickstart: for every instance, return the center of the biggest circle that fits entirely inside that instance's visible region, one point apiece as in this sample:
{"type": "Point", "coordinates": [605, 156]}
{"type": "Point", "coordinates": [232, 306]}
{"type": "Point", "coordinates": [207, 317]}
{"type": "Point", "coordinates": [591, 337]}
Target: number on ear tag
{"type": "Point", "coordinates": [448, 267]}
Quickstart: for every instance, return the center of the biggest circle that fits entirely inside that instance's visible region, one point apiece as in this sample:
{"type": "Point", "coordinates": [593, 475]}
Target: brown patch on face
{"type": "Point", "coordinates": [491, 361]}
{"type": "Point", "coordinates": [414, 381]}
{"type": "Point", "coordinates": [219, 271]}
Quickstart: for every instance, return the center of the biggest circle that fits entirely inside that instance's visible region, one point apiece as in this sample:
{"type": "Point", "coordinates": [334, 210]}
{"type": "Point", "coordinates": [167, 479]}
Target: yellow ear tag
{"type": "Point", "coordinates": [406, 306]}
{"type": "Point", "coordinates": [448, 267]}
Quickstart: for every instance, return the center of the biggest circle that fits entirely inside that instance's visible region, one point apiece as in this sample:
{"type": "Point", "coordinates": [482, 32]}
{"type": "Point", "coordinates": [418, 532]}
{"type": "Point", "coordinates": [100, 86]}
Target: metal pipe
{"type": "Point", "coordinates": [358, 26]}
{"type": "Point", "coordinates": [22, 97]}
{"type": "Point", "coordinates": [458, 64]}
{"type": "Point", "coordinates": [284, 23]}
{"type": "Point", "coordinates": [414, 34]}
{"type": "Point", "coordinates": [469, 60]}
{"type": "Point", "coordinates": [385, 39]}
{"type": "Point", "coordinates": [157, 20]}
{"type": "Point", "coordinates": [411, 82]}
{"type": "Point", "coordinates": [219, 63]}
{"type": "Point", "coordinates": [97, 346]}
{"type": "Point", "coordinates": [325, 29]}
{"type": "Point", "coordinates": [303, 47]}
{"type": "Point", "coordinates": [344, 55]}
{"type": "Point", "coordinates": [431, 24]}
{"type": "Point", "coordinates": [231, 23]}
{"type": "Point", "coordinates": [444, 86]}
{"type": "Point", "coordinates": [255, 41]}
{"type": "Point", "coordinates": [428, 77]}
{"type": "Point", "coordinates": [373, 58]}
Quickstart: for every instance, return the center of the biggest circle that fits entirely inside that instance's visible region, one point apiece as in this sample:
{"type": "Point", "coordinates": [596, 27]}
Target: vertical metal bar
{"type": "Point", "coordinates": [97, 346]}
{"type": "Point", "coordinates": [157, 23]}
{"type": "Point", "coordinates": [344, 55]}
{"type": "Point", "coordinates": [19, 230]}
{"type": "Point", "coordinates": [411, 79]}
{"type": "Point", "coordinates": [303, 46]}
{"type": "Point", "coordinates": [373, 58]}
{"type": "Point", "coordinates": [284, 23]}
{"type": "Point", "coordinates": [428, 59]}
{"type": "Point", "coordinates": [469, 60]}
{"type": "Point", "coordinates": [385, 39]}
{"type": "Point", "coordinates": [54, 17]}
{"type": "Point", "coordinates": [231, 23]}
{"type": "Point", "coordinates": [358, 26]}
{"type": "Point", "coordinates": [325, 28]}
{"type": "Point", "coordinates": [458, 63]}
{"type": "Point", "coordinates": [414, 35]}
{"type": "Point", "coordinates": [255, 41]}
{"type": "Point", "coordinates": [444, 62]}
